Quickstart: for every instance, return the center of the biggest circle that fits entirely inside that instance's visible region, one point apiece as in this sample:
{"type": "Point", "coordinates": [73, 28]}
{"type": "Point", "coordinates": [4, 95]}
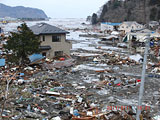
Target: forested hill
{"type": "Point", "coordinates": [20, 12]}
{"type": "Point", "coordinates": [141, 11]}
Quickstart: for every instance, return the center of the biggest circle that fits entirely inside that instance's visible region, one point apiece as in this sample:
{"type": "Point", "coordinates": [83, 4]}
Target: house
{"type": "Point", "coordinates": [130, 26]}
{"type": "Point", "coordinates": [153, 24]}
{"type": "Point", "coordinates": [136, 40]}
{"type": "Point", "coordinates": [53, 40]}
{"type": "Point", "coordinates": [107, 26]}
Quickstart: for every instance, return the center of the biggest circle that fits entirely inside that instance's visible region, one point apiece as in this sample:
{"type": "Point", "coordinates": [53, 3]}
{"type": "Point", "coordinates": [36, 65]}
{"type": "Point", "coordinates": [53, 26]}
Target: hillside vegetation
{"type": "Point", "coordinates": [141, 11]}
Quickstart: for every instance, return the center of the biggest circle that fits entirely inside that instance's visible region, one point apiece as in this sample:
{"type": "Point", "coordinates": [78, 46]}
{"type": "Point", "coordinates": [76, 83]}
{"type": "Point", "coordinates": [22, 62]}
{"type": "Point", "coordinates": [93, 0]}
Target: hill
{"type": "Point", "coordinates": [20, 12]}
{"type": "Point", "coordinates": [141, 11]}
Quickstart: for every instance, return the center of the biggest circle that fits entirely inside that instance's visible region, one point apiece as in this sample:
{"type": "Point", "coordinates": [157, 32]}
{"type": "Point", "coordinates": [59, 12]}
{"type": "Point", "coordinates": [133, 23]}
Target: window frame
{"type": "Point", "coordinates": [58, 38]}
{"type": "Point", "coordinates": [43, 38]}
{"type": "Point", "coordinates": [44, 54]}
{"type": "Point", "coordinates": [60, 53]}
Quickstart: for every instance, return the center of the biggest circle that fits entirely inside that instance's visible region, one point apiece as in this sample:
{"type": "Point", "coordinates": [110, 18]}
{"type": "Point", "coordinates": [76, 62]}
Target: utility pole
{"type": "Point", "coordinates": [141, 90]}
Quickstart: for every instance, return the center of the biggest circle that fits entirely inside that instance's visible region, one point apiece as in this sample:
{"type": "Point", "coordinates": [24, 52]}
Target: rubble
{"type": "Point", "coordinates": [98, 82]}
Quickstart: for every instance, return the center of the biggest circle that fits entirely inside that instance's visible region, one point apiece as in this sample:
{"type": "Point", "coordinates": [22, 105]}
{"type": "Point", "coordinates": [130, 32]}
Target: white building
{"type": "Point", "coordinates": [107, 26]}
{"type": "Point", "coordinates": [130, 26]}
{"type": "Point", "coordinates": [153, 24]}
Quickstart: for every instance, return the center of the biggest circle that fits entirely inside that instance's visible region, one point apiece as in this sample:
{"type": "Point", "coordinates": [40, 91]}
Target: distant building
{"type": "Point", "coordinates": [130, 26]}
{"type": "Point", "coordinates": [153, 24]}
{"type": "Point", "coordinates": [53, 40]}
{"type": "Point", "coordinates": [137, 39]}
{"type": "Point", "coordinates": [8, 19]}
{"type": "Point", "coordinates": [107, 26]}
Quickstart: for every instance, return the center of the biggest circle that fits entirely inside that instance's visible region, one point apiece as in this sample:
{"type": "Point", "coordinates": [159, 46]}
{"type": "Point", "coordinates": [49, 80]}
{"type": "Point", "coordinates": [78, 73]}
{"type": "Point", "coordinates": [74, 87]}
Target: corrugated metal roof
{"type": "Point", "coordinates": [44, 28]}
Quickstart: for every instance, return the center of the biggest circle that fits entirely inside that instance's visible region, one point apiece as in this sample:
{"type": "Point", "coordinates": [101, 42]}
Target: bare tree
{"type": "Point", "coordinates": [6, 93]}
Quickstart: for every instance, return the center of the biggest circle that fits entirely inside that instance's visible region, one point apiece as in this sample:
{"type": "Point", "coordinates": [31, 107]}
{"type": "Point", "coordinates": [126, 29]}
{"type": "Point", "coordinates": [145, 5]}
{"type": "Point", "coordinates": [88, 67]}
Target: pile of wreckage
{"type": "Point", "coordinates": [42, 94]}
{"type": "Point", "coordinates": [154, 70]}
{"type": "Point", "coordinates": [48, 99]}
{"type": "Point", "coordinates": [42, 89]}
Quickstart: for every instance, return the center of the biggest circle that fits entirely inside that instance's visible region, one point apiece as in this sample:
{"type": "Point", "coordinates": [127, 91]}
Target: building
{"type": "Point", "coordinates": [130, 26]}
{"type": "Point", "coordinates": [6, 20]}
{"type": "Point", "coordinates": [137, 39]}
{"type": "Point", "coordinates": [153, 24]}
{"type": "Point", "coordinates": [53, 40]}
{"type": "Point", "coordinates": [107, 26]}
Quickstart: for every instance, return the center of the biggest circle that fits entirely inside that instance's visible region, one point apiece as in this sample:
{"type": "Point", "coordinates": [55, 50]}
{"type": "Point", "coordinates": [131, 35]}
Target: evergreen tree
{"type": "Point", "coordinates": [22, 44]}
{"type": "Point", "coordinates": [104, 10]}
{"type": "Point", "coordinates": [88, 18]}
{"type": "Point", "coordinates": [94, 19]}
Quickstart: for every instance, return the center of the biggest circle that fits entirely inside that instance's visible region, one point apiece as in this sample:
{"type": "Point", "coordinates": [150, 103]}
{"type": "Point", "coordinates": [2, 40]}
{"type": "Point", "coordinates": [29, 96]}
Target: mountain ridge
{"type": "Point", "coordinates": [21, 12]}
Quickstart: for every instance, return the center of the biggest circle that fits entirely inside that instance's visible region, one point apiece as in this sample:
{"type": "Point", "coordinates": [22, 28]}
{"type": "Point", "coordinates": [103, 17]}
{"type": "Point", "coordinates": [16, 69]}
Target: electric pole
{"type": "Point", "coordinates": [141, 90]}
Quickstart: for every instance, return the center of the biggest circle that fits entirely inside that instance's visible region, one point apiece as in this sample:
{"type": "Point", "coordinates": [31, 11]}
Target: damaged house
{"type": "Point", "coordinates": [53, 40]}
{"type": "Point", "coordinates": [136, 40]}
{"type": "Point", "coordinates": [130, 26]}
{"type": "Point", "coordinates": [107, 26]}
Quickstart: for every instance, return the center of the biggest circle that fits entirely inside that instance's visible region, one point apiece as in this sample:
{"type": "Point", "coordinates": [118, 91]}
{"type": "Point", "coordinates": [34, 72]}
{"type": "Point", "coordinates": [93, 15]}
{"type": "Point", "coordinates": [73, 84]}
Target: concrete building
{"type": "Point", "coordinates": [130, 26]}
{"type": "Point", "coordinates": [53, 40]}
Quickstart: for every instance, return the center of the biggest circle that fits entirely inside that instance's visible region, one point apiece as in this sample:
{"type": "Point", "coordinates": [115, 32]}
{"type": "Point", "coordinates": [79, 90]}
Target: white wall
{"type": "Point", "coordinates": [127, 28]}
{"type": "Point", "coordinates": [106, 27]}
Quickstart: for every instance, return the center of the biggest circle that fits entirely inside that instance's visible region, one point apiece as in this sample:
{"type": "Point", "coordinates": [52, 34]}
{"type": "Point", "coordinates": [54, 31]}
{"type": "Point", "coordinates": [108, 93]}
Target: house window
{"type": "Point", "coordinates": [44, 54]}
{"type": "Point", "coordinates": [58, 53]}
{"type": "Point", "coordinates": [56, 38]}
{"type": "Point", "coordinates": [43, 37]}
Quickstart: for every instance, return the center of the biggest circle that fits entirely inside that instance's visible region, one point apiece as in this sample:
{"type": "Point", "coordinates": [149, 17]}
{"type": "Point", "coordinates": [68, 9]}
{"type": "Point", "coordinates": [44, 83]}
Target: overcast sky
{"type": "Point", "coordinates": [61, 8]}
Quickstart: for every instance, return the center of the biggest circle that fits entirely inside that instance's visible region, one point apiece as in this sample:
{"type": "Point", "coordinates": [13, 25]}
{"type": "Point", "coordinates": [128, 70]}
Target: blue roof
{"type": "Point", "coordinates": [2, 62]}
{"type": "Point", "coordinates": [35, 57]}
{"type": "Point", "coordinates": [113, 24]}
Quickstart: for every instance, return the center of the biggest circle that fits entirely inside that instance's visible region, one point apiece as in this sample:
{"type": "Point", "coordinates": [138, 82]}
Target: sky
{"type": "Point", "coordinates": [61, 8]}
